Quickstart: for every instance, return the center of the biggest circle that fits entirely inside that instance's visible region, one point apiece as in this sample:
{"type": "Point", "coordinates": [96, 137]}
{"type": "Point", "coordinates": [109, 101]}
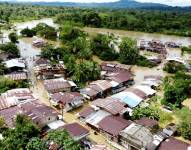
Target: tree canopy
{"type": "Point", "coordinates": [13, 37]}
{"type": "Point", "coordinates": [176, 89]}
{"type": "Point", "coordinates": [10, 48]}
{"type": "Point", "coordinates": [129, 52]}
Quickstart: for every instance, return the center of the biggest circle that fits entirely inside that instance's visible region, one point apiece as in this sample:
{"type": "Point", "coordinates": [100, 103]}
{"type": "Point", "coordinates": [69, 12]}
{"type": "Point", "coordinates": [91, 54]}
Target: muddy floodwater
{"type": "Point", "coordinates": [140, 72]}
{"type": "Point", "coordinates": [142, 35]}
{"type": "Point", "coordinates": [29, 52]}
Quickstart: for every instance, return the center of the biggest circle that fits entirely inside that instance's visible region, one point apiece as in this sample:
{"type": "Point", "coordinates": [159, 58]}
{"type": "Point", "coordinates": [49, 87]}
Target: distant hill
{"type": "Point", "coordinates": [119, 4]}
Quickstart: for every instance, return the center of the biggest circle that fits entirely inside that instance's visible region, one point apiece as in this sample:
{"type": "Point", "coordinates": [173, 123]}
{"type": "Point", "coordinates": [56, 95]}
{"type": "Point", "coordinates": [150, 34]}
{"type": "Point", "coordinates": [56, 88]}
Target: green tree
{"type": "Point", "coordinates": [28, 32]}
{"type": "Point", "coordinates": [92, 19]}
{"type": "Point", "coordinates": [69, 34]}
{"type": "Point", "coordinates": [173, 67]}
{"type": "Point", "coordinates": [13, 37]}
{"type": "Point", "coordinates": [2, 122]}
{"type": "Point", "coordinates": [176, 89]}
{"type": "Point", "coordinates": [45, 31]}
{"type": "Point", "coordinates": [36, 144]}
{"type": "Point", "coordinates": [129, 52]}
{"type": "Point", "coordinates": [18, 137]}
{"type": "Point", "coordinates": [52, 53]}
{"type": "Point", "coordinates": [81, 47]}
{"type": "Point", "coordinates": [149, 112]}
{"type": "Point", "coordinates": [63, 139]}
{"type": "Point", "coordinates": [86, 71]}
{"type": "Point", "coordinates": [7, 84]}
{"type": "Point", "coordinates": [3, 69]}
{"type": "Point", "coordinates": [184, 126]}
{"type": "Point", "coordinates": [10, 48]}
{"type": "Point", "coordinates": [101, 47]}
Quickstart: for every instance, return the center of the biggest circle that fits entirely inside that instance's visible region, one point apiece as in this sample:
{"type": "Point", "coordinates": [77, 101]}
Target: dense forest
{"type": "Point", "coordinates": [169, 22]}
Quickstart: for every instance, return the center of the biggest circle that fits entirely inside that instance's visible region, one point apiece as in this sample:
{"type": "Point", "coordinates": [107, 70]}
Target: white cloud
{"type": "Point", "coordinates": [169, 2]}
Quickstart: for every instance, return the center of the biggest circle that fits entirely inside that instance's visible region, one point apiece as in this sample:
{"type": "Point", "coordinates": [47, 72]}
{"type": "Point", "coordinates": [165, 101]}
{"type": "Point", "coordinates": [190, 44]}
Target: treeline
{"type": "Point", "coordinates": [23, 12]}
{"type": "Point", "coordinates": [167, 22]}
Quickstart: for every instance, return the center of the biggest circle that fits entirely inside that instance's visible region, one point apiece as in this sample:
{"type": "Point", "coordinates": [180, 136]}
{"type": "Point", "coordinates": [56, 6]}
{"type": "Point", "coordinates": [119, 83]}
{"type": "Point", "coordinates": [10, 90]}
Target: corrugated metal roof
{"type": "Point", "coordinates": [97, 117]}
{"type": "Point", "coordinates": [113, 125]}
{"type": "Point", "coordinates": [76, 130]}
{"type": "Point", "coordinates": [17, 76]}
{"type": "Point", "coordinates": [15, 63]}
{"type": "Point", "coordinates": [146, 89]}
{"type": "Point", "coordinates": [66, 97]}
{"type": "Point", "coordinates": [6, 102]}
{"type": "Point", "coordinates": [129, 98]}
{"type": "Point", "coordinates": [112, 105]}
{"type": "Point", "coordinates": [56, 84]}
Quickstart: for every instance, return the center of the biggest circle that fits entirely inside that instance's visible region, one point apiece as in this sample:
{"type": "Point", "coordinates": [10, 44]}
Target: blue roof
{"type": "Point", "coordinates": [130, 101]}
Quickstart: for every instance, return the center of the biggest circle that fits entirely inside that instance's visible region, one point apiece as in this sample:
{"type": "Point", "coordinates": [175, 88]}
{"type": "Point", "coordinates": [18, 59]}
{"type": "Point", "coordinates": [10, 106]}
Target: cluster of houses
{"type": "Point", "coordinates": [16, 69]}
{"type": "Point", "coordinates": [153, 46]}
{"type": "Point", "coordinates": [112, 103]}
{"type": "Point", "coordinates": [22, 101]}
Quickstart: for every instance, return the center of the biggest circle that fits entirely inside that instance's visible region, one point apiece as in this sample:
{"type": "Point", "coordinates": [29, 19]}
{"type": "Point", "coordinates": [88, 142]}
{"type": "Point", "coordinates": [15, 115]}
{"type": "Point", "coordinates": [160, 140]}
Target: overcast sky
{"type": "Point", "coordinates": [168, 2]}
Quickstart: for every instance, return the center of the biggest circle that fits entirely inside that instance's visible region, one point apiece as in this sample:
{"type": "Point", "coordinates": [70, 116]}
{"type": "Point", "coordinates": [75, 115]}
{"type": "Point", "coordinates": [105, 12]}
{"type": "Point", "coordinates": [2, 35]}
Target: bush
{"type": "Point", "coordinates": [13, 37]}
{"type": "Point", "coordinates": [174, 67]}
{"type": "Point", "coordinates": [186, 49]}
{"type": "Point", "coordinates": [45, 31]}
{"type": "Point", "coordinates": [28, 32]}
{"type": "Point", "coordinates": [176, 89]}
{"type": "Point", "coordinates": [10, 48]}
{"type": "Point", "coordinates": [144, 62]}
{"type": "Point", "coordinates": [149, 112]}
{"type": "Point", "coordinates": [184, 126]}
{"type": "Point", "coordinates": [109, 55]}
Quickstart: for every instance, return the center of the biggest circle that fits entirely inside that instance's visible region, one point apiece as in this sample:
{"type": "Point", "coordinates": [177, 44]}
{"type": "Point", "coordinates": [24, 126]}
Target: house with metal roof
{"type": "Point", "coordinates": [111, 105]}
{"type": "Point", "coordinates": [77, 131]}
{"type": "Point", "coordinates": [146, 89]}
{"type": "Point", "coordinates": [39, 113]}
{"type": "Point", "coordinates": [174, 144]}
{"type": "Point", "coordinates": [59, 85]}
{"type": "Point", "coordinates": [85, 113]}
{"type": "Point", "coordinates": [129, 98]}
{"type": "Point", "coordinates": [136, 136]}
{"type": "Point", "coordinates": [17, 76]}
{"type": "Point", "coordinates": [10, 114]}
{"type": "Point", "coordinates": [95, 118]}
{"type": "Point", "coordinates": [111, 126]}
{"type": "Point", "coordinates": [16, 64]}
{"type": "Point", "coordinates": [66, 100]}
